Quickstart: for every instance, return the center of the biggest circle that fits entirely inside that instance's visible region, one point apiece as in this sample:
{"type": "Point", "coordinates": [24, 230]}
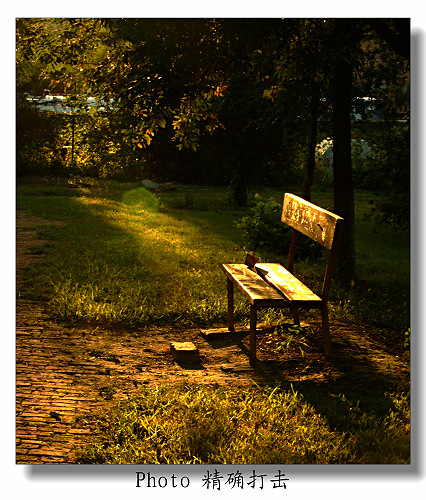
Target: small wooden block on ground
{"type": "Point", "coordinates": [185, 352]}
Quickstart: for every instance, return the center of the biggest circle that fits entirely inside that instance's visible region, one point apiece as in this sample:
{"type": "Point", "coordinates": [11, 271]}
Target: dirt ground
{"type": "Point", "coordinates": [65, 374]}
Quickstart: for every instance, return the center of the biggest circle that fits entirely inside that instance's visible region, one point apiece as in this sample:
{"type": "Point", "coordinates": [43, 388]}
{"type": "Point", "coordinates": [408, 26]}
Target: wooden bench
{"type": "Point", "coordinates": [274, 286]}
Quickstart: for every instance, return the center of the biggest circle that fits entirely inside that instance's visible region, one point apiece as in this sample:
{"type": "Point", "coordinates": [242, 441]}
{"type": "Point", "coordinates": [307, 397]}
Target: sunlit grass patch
{"type": "Point", "coordinates": [129, 255]}
{"type": "Point", "coordinates": [142, 198]}
{"type": "Point", "coordinates": [191, 424]}
{"type": "Point", "coordinates": [125, 261]}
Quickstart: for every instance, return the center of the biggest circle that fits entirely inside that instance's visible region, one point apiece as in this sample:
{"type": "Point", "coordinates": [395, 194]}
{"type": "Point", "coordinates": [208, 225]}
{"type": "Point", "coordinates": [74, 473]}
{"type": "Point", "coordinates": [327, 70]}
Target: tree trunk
{"type": "Point", "coordinates": [239, 193]}
{"type": "Point", "coordinates": [239, 184]}
{"type": "Point", "coordinates": [310, 161]}
{"type": "Point", "coordinates": [344, 203]}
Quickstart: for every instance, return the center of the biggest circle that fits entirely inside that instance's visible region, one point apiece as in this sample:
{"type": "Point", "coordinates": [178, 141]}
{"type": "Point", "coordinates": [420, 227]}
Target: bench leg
{"type": "Point", "coordinates": [253, 322]}
{"type": "Point", "coordinates": [326, 331]}
{"type": "Point", "coordinates": [230, 286]}
{"type": "Point", "coordinates": [295, 314]}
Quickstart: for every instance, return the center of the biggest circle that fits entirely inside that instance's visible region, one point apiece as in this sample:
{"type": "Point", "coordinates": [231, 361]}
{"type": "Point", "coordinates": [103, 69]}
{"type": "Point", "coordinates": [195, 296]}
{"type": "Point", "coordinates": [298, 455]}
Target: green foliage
{"type": "Point", "coordinates": [380, 164]}
{"type": "Point", "coordinates": [95, 145]}
{"type": "Point", "coordinates": [38, 141]}
{"type": "Point", "coordinates": [407, 340]}
{"type": "Point", "coordinates": [104, 149]}
{"type": "Point", "coordinates": [381, 156]}
{"type": "Point", "coordinates": [174, 83]}
{"type": "Point", "coordinates": [190, 424]}
{"type": "Point", "coordinates": [61, 53]}
{"type": "Point", "coordinates": [262, 229]}
{"type": "Point", "coordinates": [394, 210]}
{"type": "Point", "coordinates": [294, 340]}
{"type": "Point", "coordinates": [394, 160]}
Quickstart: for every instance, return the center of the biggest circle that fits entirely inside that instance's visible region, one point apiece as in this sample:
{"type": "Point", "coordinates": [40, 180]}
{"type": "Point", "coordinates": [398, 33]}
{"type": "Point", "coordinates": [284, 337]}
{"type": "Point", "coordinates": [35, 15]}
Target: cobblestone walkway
{"type": "Point", "coordinates": [46, 399]}
{"type": "Point", "coordinates": [65, 376]}
{"type": "Point", "coordinates": [61, 381]}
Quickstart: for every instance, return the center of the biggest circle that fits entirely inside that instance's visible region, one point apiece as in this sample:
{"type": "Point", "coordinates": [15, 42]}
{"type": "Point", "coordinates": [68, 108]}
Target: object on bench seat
{"type": "Point", "coordinates": [272, 285]}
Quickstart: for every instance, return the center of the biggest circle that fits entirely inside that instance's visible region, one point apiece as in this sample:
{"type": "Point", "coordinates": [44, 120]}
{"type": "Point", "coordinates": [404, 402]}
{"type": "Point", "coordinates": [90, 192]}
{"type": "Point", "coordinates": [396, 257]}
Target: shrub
{"type": "Point", "coordinates": [387, 173]}
{"type": "Point", "coordinates": [262, 229]}
{"type": "Point", "coordinates": [393, 210]}
{"type": "Point", "coordinates": [38, 144]}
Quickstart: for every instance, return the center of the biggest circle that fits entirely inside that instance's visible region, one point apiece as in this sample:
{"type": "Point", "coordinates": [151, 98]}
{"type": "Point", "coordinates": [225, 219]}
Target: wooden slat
{"type": "Point", "coordinates": [310, 220]}
{"type": "Point", "coordinates": [253, 286]}
{"type": "Point", "coordinates": [292, 288]}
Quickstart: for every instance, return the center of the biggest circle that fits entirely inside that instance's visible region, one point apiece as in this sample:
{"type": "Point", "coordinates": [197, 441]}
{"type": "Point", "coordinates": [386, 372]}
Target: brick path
{"type": "Point", "coordinates": [58, 386]}
{"type": "Point", "coordinates": [64, 376]}
{"type": "Point", "coordinates": [46, 424]}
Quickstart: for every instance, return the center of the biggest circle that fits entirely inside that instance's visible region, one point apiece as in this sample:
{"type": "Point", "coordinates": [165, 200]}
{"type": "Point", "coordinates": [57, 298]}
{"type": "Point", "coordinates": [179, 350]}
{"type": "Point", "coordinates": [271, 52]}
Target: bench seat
{"type": "Point", "coordinates": [292, 288]}
{"type": "Point", "coordinates": [271, 285]}
{"type": "Point", "coordinates": [258, 292]}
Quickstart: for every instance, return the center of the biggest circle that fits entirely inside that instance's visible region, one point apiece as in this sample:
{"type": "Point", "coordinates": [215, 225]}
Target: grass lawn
{"type": "Point", "coordinates": [130, 256]}
{"type": "Point", "coordinates": [127, 256]}
{"type": "Point", "coordinates": [193, 425]}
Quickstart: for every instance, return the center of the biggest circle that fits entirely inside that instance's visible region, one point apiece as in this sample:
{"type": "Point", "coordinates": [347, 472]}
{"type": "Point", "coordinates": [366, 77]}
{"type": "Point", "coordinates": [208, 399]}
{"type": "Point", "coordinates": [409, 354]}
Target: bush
{"type": "Point", "coordinates": [393, 210]}
{"type": "Point", "coordinates": [38, 145]}
{"type": "Point", "coordinates": [262, 229]}
{"type": "Point", "coordinates": [393, 162]}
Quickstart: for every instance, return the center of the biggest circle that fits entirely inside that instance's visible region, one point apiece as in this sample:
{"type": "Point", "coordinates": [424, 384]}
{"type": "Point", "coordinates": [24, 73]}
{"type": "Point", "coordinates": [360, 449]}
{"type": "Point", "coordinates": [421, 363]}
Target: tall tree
{"type": "Point", "coordinates": [346, 36]}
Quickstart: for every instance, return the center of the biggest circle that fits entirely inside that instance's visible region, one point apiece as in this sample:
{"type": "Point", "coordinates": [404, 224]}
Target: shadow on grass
{"type": "Point", "coordinates": [353, 383]}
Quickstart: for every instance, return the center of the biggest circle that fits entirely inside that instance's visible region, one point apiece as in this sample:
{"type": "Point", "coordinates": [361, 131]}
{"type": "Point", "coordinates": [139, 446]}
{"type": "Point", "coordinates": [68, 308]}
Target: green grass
{"type": "Point", "coordinates": [193, 425]}
{"type": "Point", "coordinates": [122, 258]}
{"type": "Point", "coordinates": [127, 255]}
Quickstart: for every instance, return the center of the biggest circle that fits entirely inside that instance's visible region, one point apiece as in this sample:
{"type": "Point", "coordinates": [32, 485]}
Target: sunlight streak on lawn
{"type": "Point", "coordinates": [165, 265]}
{"type": "Point", "coordinates": [141, 197]}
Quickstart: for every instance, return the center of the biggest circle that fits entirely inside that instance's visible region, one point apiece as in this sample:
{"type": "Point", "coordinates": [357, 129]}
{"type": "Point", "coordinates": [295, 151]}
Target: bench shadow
{"type": "Point", "coordinates": [194, 365]}
{"type": "Point", "coordinates": [353, 377]}
{"type": "Point", "coordinates": [219, 338]}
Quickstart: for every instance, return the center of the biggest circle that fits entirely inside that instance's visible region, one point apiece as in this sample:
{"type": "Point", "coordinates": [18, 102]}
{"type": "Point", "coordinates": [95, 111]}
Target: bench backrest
{"type": "Point", "coordinates": [315, 222]}
{"type": "Point", "coordinates": [320, 225]}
